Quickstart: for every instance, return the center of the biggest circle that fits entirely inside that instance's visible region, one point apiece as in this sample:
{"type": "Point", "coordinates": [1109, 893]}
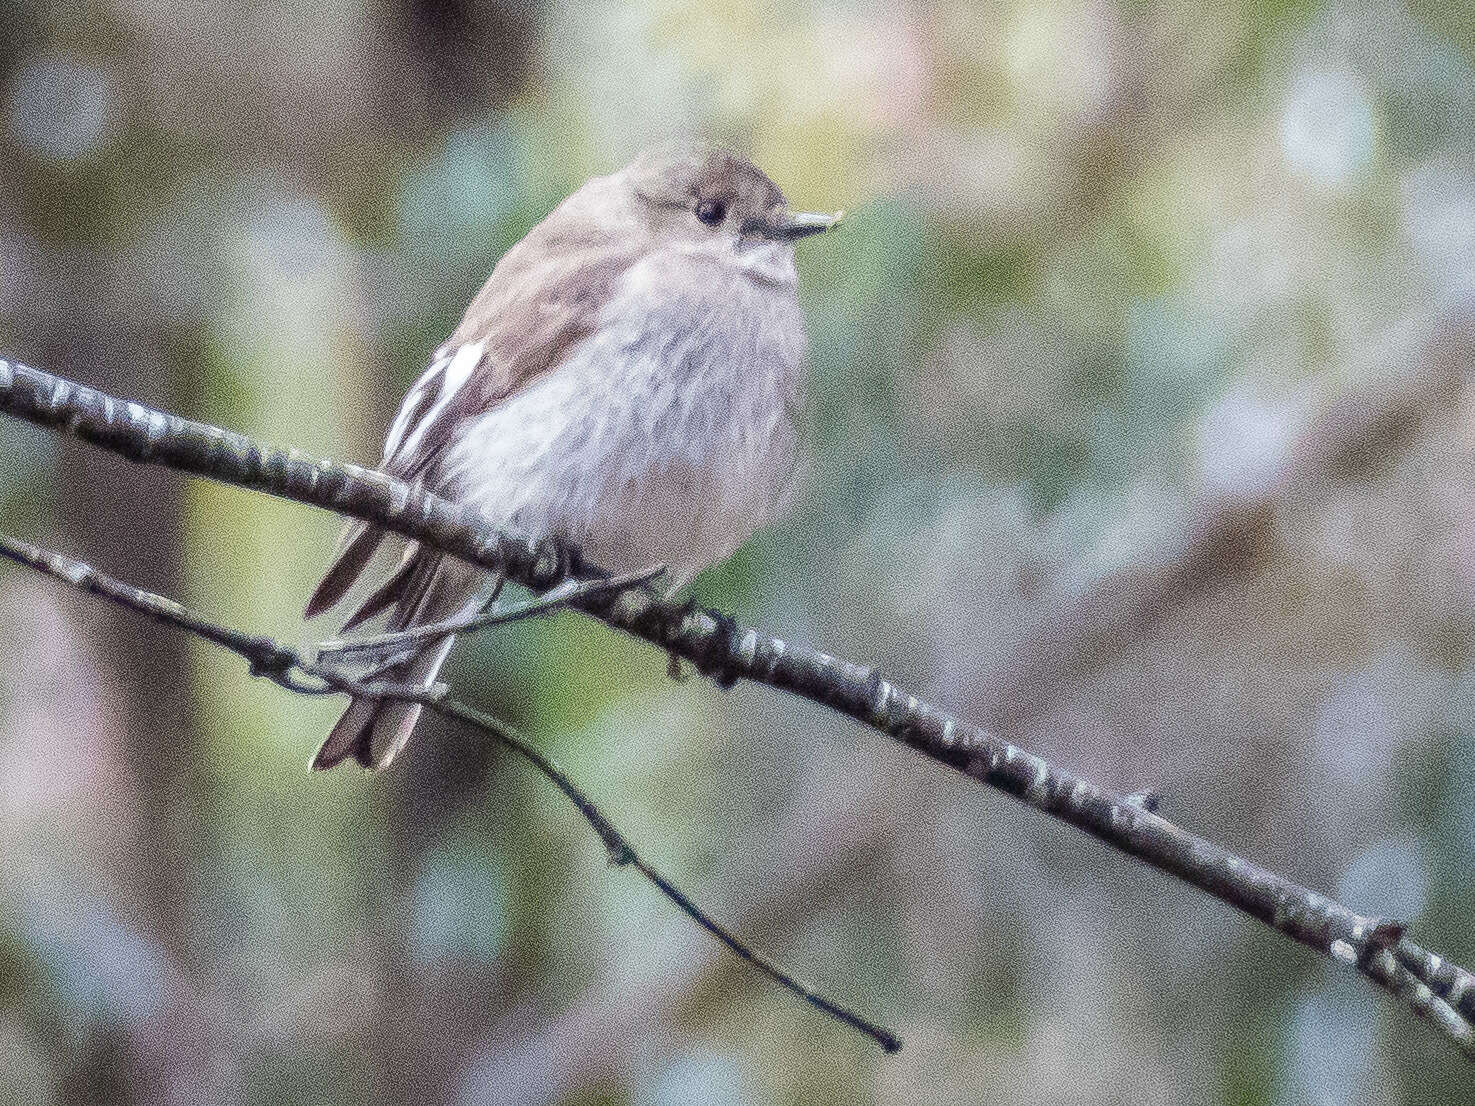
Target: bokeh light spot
{"type": "Point", "coordinates": [1387, 879]}
{"type": "Point", "coordinates": [1326, 127]}
{"type": "Point", "coordinates": [459, 905]}
{"type": "Point", "coordinates": [62, 108]}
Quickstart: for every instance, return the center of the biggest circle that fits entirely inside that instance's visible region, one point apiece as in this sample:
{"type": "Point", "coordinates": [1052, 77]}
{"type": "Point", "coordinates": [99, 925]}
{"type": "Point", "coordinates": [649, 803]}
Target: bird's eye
{"type": "Point", "coordinates": [711, 212]}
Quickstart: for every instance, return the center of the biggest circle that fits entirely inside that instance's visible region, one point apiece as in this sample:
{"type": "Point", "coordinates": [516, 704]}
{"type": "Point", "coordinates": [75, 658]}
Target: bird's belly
{"type": "Point", "coordinates": [672, 515]}
{"type": "Point", "coordinates": [638, 455]}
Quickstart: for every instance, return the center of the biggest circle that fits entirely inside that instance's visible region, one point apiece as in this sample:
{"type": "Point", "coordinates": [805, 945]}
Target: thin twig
{"type": "Point", "coordinates": [560, 595]}
{"type": "Point", "coordinates": [386, 664]}
{"type": "Point", "coordinates": [1437, 990]}
{"type": "Point", "coordinates": [280, 663]}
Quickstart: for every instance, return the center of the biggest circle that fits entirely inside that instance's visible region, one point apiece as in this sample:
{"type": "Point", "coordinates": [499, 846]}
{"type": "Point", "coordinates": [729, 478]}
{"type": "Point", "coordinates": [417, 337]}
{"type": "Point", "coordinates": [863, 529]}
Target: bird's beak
{"type": "Point", "coordinates": [787, 226]}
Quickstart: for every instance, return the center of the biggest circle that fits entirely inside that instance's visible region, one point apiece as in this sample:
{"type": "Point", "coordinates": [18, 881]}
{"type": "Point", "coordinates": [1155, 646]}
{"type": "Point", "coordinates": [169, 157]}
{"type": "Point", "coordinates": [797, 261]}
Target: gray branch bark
{"type": "Point", "coordinates": [1439, 991]}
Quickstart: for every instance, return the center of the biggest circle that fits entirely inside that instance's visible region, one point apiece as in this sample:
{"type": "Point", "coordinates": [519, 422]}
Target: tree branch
{"type": "Point", "coordinates": [280, 663]}
{"type": "Point", "coordinates": [1437, 990]}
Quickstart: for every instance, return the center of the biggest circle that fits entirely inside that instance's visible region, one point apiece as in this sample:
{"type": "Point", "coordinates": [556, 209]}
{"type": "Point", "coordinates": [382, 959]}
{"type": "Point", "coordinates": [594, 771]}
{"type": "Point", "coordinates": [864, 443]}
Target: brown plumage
{"type": "Point", "coordinates": [545, 303]}
{"type": "Point", "coordinates": [545, 293]}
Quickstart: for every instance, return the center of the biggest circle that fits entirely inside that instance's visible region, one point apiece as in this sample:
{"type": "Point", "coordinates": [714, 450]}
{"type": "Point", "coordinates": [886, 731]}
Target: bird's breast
{"type": "Point", "coordinates": [667, 434]}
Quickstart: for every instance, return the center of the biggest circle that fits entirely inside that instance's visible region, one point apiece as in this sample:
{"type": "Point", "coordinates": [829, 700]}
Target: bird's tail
{"type": "Point", "coordinates": [372, 730]}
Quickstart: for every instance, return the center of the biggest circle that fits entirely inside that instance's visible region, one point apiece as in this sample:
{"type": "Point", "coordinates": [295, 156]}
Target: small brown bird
{"type": "Point", "coordinates": [628, 380]}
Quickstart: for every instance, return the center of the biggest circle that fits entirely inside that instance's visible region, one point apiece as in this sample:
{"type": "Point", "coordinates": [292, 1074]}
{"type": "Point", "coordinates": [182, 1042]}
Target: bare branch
{"type": "Point", "coordinates": [1440, 992]}
{"type": "Point", "coordinates": [281, 663]}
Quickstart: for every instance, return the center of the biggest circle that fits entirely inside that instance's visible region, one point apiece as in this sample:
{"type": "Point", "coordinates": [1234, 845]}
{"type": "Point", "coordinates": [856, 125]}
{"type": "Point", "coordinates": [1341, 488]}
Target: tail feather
{"type": "Point", "coordinates": [373, 731]}
{"type": "Point", "coordinates": [350, 735]}
{"type": "Point", "coordinates": [357, 545]}
{"type": "Point", "coordinates": [386, 593]}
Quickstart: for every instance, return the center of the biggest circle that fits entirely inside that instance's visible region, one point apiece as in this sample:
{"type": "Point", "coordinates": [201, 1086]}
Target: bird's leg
{"type": "Point", "coordinates": [557, 561]}
{"type": "Point", "coordinates": [680, 612]}
{"type": "Point", "coordinates": [723, 674]}
{"type": "Point", "coordinates": [719, 671]}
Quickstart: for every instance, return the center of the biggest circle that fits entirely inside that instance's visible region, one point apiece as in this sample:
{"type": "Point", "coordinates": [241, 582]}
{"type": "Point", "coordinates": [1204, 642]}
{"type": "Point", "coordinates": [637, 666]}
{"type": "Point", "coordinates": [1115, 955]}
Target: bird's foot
{"type": "Point", "coordinates": [713, 659]}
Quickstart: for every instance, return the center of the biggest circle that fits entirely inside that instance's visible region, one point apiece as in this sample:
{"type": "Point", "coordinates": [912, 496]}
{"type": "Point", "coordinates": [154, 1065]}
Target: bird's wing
{"type": "Point", "coordinates": [546, 294]}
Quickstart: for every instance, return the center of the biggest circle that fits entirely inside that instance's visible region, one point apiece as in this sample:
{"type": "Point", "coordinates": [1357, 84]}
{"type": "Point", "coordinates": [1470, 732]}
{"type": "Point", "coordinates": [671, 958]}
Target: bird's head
{"type": "Point", "coordinates": [705, 194]}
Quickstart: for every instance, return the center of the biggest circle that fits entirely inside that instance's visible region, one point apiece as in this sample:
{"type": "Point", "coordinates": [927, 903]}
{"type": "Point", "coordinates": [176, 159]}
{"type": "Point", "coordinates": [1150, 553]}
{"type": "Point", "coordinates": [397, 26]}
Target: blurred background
{"type": "Point", "coordinates": [1141, 431]}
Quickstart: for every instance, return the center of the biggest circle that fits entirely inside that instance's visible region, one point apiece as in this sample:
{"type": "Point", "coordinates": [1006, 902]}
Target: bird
{"type": "Point", "coordinates": [629, 381]}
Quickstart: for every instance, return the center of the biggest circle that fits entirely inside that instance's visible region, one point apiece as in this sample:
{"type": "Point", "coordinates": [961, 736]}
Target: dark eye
{"type": "Point", "coordinates": [711, 212]}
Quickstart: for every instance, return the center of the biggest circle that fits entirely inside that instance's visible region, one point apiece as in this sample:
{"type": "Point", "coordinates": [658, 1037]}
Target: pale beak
{"type": "Point", "coordinates": [787, 226]}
